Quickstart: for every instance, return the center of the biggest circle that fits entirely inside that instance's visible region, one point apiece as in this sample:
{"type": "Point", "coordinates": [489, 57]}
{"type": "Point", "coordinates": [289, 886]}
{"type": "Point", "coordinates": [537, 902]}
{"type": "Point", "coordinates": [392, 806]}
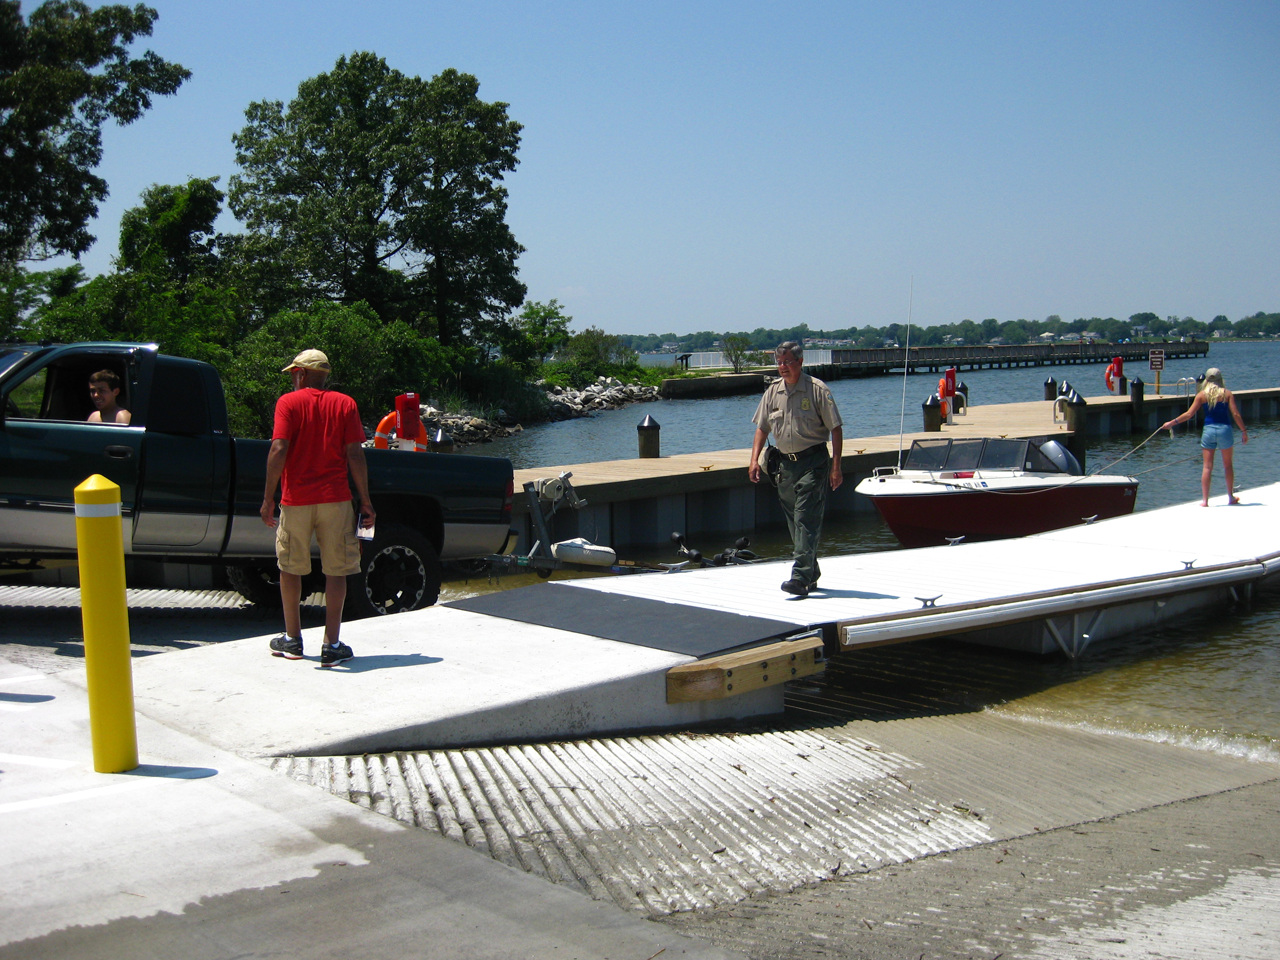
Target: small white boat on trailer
{"type": "Point", "coordinates": [991, 488]}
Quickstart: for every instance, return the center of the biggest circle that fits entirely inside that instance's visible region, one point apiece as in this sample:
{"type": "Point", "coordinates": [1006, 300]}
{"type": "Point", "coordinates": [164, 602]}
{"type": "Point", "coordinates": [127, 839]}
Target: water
{"type": "Point", "coordinates": [870, 407]}
{"type": "Point", "coordinates": [1209, 682]}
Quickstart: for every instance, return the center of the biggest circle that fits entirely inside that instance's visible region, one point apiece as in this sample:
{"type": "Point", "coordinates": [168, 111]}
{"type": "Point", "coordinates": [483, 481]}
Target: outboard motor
{"type": "Point", "coordinates": [1061, 457]}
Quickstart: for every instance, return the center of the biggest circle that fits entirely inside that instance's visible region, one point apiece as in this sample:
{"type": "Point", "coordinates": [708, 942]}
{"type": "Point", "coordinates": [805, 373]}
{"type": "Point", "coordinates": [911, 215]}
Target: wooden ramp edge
{"type": "Point", "coordinates": [731, 674]}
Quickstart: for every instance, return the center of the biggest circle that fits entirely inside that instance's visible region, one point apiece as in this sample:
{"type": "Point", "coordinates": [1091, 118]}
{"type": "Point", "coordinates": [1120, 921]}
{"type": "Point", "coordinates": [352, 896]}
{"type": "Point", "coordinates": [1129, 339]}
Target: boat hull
{"type": "Point", "coordinates": [927, 519]}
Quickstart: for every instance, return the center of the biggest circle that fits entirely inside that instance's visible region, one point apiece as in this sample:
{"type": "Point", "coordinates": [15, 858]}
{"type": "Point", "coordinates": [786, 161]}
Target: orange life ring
{"type": "Point", "coordinates": [387, 429]}
{"type": "Point", "coordinates": [1111, 369]}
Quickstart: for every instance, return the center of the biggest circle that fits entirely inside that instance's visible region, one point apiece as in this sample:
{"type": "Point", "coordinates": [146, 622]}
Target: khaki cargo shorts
{"type": "Point", "coordinates": [334, 525]}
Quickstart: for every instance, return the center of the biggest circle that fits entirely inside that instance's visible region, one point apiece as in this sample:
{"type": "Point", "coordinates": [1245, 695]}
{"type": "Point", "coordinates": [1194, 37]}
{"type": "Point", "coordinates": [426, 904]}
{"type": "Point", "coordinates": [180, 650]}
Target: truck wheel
{"type": "Point", "coordinates": [399, 571]}
{"type": "Point", "coordinates": [259, 583]}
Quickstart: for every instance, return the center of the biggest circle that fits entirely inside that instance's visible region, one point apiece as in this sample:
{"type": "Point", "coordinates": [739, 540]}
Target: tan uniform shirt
{"type": "Point", "coordinates": [799, 416]}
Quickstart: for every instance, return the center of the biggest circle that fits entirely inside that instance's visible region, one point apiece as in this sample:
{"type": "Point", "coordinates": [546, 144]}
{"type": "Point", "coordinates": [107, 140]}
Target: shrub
{"type": "Point", "coordinates": [372, 362]}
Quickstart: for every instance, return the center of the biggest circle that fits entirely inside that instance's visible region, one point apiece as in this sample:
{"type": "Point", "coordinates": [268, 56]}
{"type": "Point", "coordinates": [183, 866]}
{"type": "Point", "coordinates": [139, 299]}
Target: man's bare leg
{"type": "Point", "coordinates": [335, 595]}
{"type": "Point", "coordinates": [291, 597]}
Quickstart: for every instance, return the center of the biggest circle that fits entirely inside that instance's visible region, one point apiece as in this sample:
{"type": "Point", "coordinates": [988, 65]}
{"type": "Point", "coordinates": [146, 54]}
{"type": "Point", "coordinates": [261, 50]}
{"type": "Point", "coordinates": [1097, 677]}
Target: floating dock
{"type": "Point", "coordinates": [581, 658]}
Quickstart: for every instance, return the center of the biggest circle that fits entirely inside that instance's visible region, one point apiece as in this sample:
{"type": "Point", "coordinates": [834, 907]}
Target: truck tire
{"type": "Point", "coordinates": [259, 582]}
{"type": "Point", "coordinates": [399, 571]}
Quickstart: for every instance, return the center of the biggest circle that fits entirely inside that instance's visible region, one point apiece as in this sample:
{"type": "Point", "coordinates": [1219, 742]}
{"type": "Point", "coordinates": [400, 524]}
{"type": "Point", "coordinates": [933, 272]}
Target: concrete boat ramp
{"type": "Point", "coordinates": [581, 658]}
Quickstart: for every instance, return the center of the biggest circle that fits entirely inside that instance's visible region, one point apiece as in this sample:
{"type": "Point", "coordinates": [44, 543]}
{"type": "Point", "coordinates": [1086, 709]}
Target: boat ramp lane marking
{"type": "Point", "coordinates": [134, 782]}
{"type": "Point", "coordinates": [46, 762]}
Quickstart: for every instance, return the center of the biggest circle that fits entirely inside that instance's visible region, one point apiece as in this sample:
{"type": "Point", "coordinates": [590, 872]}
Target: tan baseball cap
{"type": "Point", "coordinates": [309, 360]}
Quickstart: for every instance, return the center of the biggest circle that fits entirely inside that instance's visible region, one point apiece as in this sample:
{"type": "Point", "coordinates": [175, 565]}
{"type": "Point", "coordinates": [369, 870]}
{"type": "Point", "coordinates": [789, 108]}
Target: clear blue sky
{"type": "Point", "coordinates": [728, 165]}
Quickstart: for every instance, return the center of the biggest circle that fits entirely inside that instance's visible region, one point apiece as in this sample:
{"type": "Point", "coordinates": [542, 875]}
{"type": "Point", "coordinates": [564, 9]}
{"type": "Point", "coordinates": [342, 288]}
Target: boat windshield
{"type": "Point", "coordinates": [927, 454]}
{"type": "Point", "coordinates": [1004, 455]}
{"type": "Point", "coordinates": [975, 454]}
{"type": "Point", "coordinates": [965, 455]}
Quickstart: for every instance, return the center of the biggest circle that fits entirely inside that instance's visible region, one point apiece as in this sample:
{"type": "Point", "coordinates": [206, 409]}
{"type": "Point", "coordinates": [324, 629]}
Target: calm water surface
{"type": "Point", "coordinates": [1211, 681]}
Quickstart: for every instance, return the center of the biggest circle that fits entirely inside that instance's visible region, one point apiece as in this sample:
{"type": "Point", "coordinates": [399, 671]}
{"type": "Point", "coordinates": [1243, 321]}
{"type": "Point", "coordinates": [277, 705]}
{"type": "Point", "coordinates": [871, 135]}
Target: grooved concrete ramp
{"type": "Point", "coordinates": [671, 822]}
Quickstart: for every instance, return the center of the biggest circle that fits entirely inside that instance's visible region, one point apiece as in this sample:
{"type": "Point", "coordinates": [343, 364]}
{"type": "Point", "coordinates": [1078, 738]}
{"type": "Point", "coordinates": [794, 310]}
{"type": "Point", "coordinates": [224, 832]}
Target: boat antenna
{"type": "Point", "coordinates": [906, 366]}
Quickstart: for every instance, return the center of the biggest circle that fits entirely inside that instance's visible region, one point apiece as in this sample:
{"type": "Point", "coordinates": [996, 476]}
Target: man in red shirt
{"type": "Point", "coordinates": [316, 440]}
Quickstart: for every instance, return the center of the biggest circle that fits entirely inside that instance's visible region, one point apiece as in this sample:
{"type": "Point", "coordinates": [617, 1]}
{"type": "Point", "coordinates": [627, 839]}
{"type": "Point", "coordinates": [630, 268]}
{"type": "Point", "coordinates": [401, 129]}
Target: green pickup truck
{"type": "Point", "coordinates": [190, 492]}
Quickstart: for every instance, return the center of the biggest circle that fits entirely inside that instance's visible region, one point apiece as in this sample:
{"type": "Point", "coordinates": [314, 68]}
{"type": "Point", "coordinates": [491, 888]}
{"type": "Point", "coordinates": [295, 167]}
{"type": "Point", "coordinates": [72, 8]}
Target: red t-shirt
{"type": "Point", "coordinates": [318, 425]}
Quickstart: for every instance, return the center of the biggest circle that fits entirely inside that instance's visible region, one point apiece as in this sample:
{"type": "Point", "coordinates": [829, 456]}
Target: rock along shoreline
{"type": "Point", "coordinates": [565, 403]}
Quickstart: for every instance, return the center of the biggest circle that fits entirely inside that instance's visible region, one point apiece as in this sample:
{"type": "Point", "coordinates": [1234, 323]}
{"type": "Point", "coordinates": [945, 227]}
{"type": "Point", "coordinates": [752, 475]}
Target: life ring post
{"type": "Point", "coordinates": [404, 425]}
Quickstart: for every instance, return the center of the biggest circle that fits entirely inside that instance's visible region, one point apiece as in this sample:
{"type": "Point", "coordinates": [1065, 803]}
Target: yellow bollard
{"type": "Point", "coordinates": [100, 543]}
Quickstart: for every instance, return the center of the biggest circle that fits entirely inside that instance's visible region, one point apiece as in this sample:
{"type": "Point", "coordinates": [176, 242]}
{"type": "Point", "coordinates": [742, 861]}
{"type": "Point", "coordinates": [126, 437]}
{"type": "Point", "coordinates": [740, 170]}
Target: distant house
{"type": "Point", "coordinates": [1139, 330]}
{"type": "Point", "coordinates": [1221, 333]}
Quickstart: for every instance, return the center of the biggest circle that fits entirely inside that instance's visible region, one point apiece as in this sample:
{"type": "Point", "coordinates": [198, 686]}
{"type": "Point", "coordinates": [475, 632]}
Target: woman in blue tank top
{"type": "Point", "coordinates": [1219, 410]}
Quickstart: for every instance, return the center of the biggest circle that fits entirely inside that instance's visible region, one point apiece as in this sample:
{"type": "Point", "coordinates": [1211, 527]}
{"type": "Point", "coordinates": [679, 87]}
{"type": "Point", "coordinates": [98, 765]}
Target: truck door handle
{"type": "Point", "coordinates": [119, 452]}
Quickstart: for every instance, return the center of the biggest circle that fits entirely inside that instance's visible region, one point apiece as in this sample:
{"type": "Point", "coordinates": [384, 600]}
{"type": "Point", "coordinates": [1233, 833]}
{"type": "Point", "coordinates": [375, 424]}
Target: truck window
{"type": "Point", "coordinates": [11, 356]}
{"type": "Point", "coordinates": [26, 400]}
{"type": "Point", "coordinates": [178, 402]}
{"type": "Point", "coordinates": [68, 393]}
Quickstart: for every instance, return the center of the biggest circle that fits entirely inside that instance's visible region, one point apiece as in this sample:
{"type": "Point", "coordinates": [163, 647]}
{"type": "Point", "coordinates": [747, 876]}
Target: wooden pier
{"type": "Point", "coordinates": [854, 362]}
{"type": "Point", "coordinates": [869, 362]}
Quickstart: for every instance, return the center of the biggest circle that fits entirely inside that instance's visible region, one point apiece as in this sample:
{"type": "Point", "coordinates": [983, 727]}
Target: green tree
{"type": "Point", "coordinates": [1110, 328]}
{"type": "Point", "coordinates": [172, 231]}
{"type": "Point", "coordinates": [538, 332]}
{"type": "Point", "coordinates": [737, 350]}
{"type": "Point", "coordinates": [63, 73]}
{"type": "Point", "coordinates": [372, 362]}
{"type": "Point", "coordinates": [168, 287]}
{"type": "Point", "coordinates": [378, 187]}
{"type": "Point", "coordinates": [1014, 331]}
{"type": "Point", "coordinates": [25, 293]}
{"type": "Point", "coordinates": [590, 354]}
{"type": "Point", "coordinates": [1259, 325]}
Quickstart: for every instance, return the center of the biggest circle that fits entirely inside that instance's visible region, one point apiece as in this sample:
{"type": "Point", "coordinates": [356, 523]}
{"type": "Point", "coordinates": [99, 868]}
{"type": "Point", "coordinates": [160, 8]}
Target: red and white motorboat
{"type": "Point", "coordinates": [989, 489]}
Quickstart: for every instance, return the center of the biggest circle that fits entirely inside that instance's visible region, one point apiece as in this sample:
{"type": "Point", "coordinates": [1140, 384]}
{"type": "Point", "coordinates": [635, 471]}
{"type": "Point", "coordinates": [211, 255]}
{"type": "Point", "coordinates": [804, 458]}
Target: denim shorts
{"type": "Point", "coordinates": [1217, 436]}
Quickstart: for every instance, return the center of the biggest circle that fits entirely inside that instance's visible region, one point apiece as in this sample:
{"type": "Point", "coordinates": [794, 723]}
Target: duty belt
{"type": "Point", "coordinates": [793, 457]}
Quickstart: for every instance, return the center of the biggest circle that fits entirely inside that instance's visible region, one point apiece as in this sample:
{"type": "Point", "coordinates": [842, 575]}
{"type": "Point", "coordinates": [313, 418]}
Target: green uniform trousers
{"type": "Point", "coordinates": [802, 491]}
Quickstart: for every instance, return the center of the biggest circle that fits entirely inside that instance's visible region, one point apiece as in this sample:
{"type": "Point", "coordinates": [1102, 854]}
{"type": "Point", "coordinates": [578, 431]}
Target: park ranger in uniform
{"type": "Point", "coordinates": [801, 414]}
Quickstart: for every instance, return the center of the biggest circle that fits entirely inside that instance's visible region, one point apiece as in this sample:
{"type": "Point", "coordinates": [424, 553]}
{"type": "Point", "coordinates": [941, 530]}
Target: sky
{"type": "Point", "coordinates": [725, 166]}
